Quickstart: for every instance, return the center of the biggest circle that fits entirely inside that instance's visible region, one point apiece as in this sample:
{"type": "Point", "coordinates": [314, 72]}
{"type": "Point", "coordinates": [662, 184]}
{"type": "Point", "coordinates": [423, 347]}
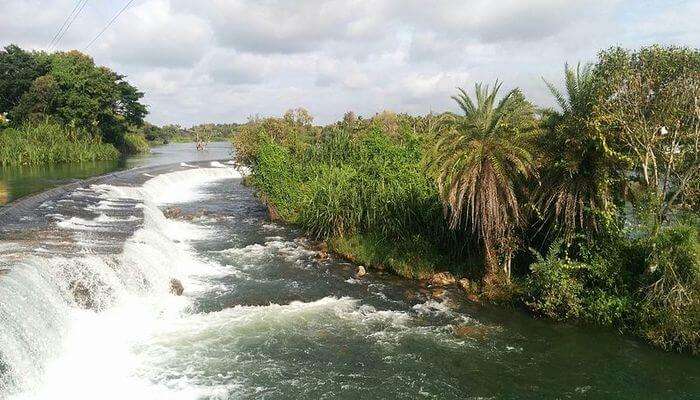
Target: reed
{"type": "Point", "coordinates": [50, 143]}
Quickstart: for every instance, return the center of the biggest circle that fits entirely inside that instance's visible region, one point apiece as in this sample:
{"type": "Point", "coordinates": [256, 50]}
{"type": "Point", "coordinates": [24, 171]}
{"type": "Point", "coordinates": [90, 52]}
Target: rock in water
{"type": "Point", "coordinates": [360, 272]}
{"type": "Point", "coordinates": [82, 295]}
{"type": "Point", "coordinates": [176, 287]}
{"type": "Point", "coordinates": [442, 279]}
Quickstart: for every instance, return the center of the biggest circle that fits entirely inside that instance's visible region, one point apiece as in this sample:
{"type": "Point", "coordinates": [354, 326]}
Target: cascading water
{"type": "Point", "coordinates": [68, 299]}
{"type": "Point", "coordinates": [86, 312]}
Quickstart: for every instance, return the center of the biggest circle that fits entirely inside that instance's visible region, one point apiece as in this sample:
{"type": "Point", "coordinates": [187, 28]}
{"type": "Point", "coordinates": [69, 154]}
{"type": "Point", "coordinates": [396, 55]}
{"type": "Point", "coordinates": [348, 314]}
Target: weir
{"type": "Point", "coordinates": [83, 249]}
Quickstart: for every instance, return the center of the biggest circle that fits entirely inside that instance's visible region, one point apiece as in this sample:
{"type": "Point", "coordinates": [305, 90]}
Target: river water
{"type": "Point", "coordinates": [86, 313]}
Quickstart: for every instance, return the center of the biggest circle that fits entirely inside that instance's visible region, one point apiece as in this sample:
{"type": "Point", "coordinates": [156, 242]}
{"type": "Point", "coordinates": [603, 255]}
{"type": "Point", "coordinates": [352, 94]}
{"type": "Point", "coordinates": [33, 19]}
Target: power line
{"type": "Point", "coordinates": [58, 31]}
{"type": "Point", "coordinates": [58, 40]}
{"type": "Point", "coordinates": [109, 24]}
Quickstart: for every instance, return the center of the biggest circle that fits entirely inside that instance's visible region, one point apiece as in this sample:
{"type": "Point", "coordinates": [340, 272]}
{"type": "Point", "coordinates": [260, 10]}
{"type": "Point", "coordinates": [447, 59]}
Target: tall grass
{"type": "Point", "coordinates": [50, 143]}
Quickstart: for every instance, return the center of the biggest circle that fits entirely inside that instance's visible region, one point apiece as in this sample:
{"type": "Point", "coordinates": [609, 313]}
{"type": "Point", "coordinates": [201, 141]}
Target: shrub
{"type": "Point", "coordinates": [277, 176]}
{"type": "Point", "coordinates": [671, 301]}
{"type": "Point", "coordinates": [584, 280]}
{"type": "Point", "coordinates": [133, 143]}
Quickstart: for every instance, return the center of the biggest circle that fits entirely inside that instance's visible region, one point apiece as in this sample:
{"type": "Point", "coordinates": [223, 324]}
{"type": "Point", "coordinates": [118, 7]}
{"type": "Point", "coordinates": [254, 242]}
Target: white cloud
{"type": "Point", "coordinates": [223, 60]}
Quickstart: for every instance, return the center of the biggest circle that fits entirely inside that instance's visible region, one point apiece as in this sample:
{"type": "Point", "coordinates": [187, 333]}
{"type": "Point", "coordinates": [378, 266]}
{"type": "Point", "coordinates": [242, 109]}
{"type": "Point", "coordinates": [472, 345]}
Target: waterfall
{"type": "Point", "coordinates": [65, 286]}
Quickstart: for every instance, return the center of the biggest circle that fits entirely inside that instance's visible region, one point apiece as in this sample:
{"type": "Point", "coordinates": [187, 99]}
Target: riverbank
{"type": "Point", "coordinates": [363, 188]}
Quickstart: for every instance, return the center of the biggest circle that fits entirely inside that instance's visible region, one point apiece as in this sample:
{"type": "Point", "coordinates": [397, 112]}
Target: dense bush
{"type": "Point", "coordinates": [670, 307]}
{"type": "Point", "coordinates": [48, 143]}
{"type": "Point", "coordinates": [584, 281]}
{"type": "Point", "coordinates": [133, 143]}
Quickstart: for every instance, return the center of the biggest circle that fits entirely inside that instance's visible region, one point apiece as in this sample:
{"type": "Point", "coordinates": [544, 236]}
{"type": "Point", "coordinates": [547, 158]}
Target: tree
{"type": "Point", "coordinates": [38, 102]}
{"type": "Point", "coordinates": [578, 168]}
{"type": "Point", "coordinates": [18, 69]}
{"type": "Point", "coordinates": [95, 98]}
{"type": "Point", "coordinates": [477, 160]}
{"type": "Point", "coordinates": [651, 109]}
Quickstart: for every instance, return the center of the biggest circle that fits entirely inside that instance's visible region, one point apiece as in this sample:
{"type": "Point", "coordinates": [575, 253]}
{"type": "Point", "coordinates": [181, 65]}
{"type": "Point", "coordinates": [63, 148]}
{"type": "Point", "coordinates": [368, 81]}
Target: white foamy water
{"type": "Point", "coordinates": [51, 348]}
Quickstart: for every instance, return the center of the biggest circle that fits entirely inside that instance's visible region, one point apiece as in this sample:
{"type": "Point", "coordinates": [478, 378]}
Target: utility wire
{"type": "Point", "coordinates": [75, 16]}
{"type": "Point", "coordinates": [60, 29]}
{"type": "Point", "coordinates": [109, 24]}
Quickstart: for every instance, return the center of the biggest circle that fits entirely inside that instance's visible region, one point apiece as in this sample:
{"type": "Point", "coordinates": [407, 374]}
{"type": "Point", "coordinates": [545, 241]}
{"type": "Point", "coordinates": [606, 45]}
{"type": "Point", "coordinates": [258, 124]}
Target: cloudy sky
{"type": "Point", "coordinates": [224, 60]}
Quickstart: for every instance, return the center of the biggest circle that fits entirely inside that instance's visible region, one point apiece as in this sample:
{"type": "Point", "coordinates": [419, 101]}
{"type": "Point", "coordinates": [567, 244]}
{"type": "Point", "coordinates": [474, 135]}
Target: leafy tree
{"type": "Point", "coordinates": [651, 108]}
{"type": "Point", "coordinates": [18, 69]}
{"type": "Point", "coordinates": [477, 160]}
{"type": "Point", "coordinates": [38, 102]}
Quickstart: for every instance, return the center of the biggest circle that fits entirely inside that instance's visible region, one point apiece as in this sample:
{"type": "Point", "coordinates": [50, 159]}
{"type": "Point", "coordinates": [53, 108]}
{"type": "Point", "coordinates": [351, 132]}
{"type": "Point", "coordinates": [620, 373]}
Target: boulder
{"type": "Point", "coordinates": [442, 279]}
{"type": "Point", "coordinates": [82, 295]}
{"type": "Point", "coordinates": [176, 287]}
{"type": "Point", "coordinates": [360, 272]}
{"type": "Point", "coordinates": [172, 212]}
{"type": "Point", "coordinates": [473, 297]}
{"type": "Point", "coordinates": [469, 286]}
{"type": "Point", "coordinates": [479, 332]}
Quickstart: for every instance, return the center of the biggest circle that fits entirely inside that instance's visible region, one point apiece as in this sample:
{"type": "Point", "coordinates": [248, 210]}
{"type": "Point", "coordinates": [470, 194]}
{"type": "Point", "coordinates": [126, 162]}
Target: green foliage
{"type": "Point", "coordinates": [18, 70]}
{"type": "Point", "coordinates": [133, 143]}
{"type": "Point", "coordinates": [671, 298]}
{"type": "Point", "coordinates": [360, 183]}
{"type": "Point", "coordinates": [48, 143]}
{"type": "Point", "coordinates": [277, 176]}
{"type": "Point", "coordinates": [70, 89]}
{"type": "Point", "coordinates": [414, 257]}
{"type": "Point", "coordinates": [580, 171]}
{"type": "Point", "coordinates": [584, 281]}
{"type": "Point", "coordinates": [648, 110]}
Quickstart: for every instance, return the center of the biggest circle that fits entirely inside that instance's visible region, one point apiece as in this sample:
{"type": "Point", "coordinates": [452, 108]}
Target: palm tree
{"type": "Point", "coordinates": [477, 160]}
{"type": "Point", "coordinates": [576, 168]}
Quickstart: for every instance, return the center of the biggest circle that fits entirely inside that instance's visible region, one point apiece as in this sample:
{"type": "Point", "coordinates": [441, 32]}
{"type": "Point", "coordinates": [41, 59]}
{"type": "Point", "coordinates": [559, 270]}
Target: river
{"type": "Point", "coordinates": [86, 312]}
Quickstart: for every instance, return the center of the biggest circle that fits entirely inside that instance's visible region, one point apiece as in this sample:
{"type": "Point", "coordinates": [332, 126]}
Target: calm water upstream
{"type": "Point", "coordinates": [16, 182]}
{"type": "Point", "coordinates": [85, 311]}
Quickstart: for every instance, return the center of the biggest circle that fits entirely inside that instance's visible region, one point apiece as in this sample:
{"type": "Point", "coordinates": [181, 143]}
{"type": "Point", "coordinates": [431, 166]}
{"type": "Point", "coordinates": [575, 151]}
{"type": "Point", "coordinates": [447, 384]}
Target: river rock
{"type": "Point", "coordinates": [322, 255]}
{"type": "Point", "coordinates": [472, 331]}
{"type": "Point", "coordinates": [172, 212]}
{"type": "Point", "coordinates": [360, 272]}
{"type": "Point", "coordinates": [82, 295]}
{"type": "Point", "coordinates": [176, 287]}
{"type": "Point", "coordinates": [438, 293]}
{"type": "Point", "coordinates": [442, 279]}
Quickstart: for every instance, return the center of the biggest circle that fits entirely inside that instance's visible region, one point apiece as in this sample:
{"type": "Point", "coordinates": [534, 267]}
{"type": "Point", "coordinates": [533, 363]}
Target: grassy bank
{"type": "Point", "coordinates": [48, 143]}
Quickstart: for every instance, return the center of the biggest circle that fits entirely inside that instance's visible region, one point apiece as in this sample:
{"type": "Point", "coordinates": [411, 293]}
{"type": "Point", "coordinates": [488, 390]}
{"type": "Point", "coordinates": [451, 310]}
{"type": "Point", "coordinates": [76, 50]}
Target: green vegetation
{"type": "Point", "coordinates": [65, 92]}
{"type": "Point", "coordinates": [49, 143]}
{"type": "Point", "coordinates": [589, 212]}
